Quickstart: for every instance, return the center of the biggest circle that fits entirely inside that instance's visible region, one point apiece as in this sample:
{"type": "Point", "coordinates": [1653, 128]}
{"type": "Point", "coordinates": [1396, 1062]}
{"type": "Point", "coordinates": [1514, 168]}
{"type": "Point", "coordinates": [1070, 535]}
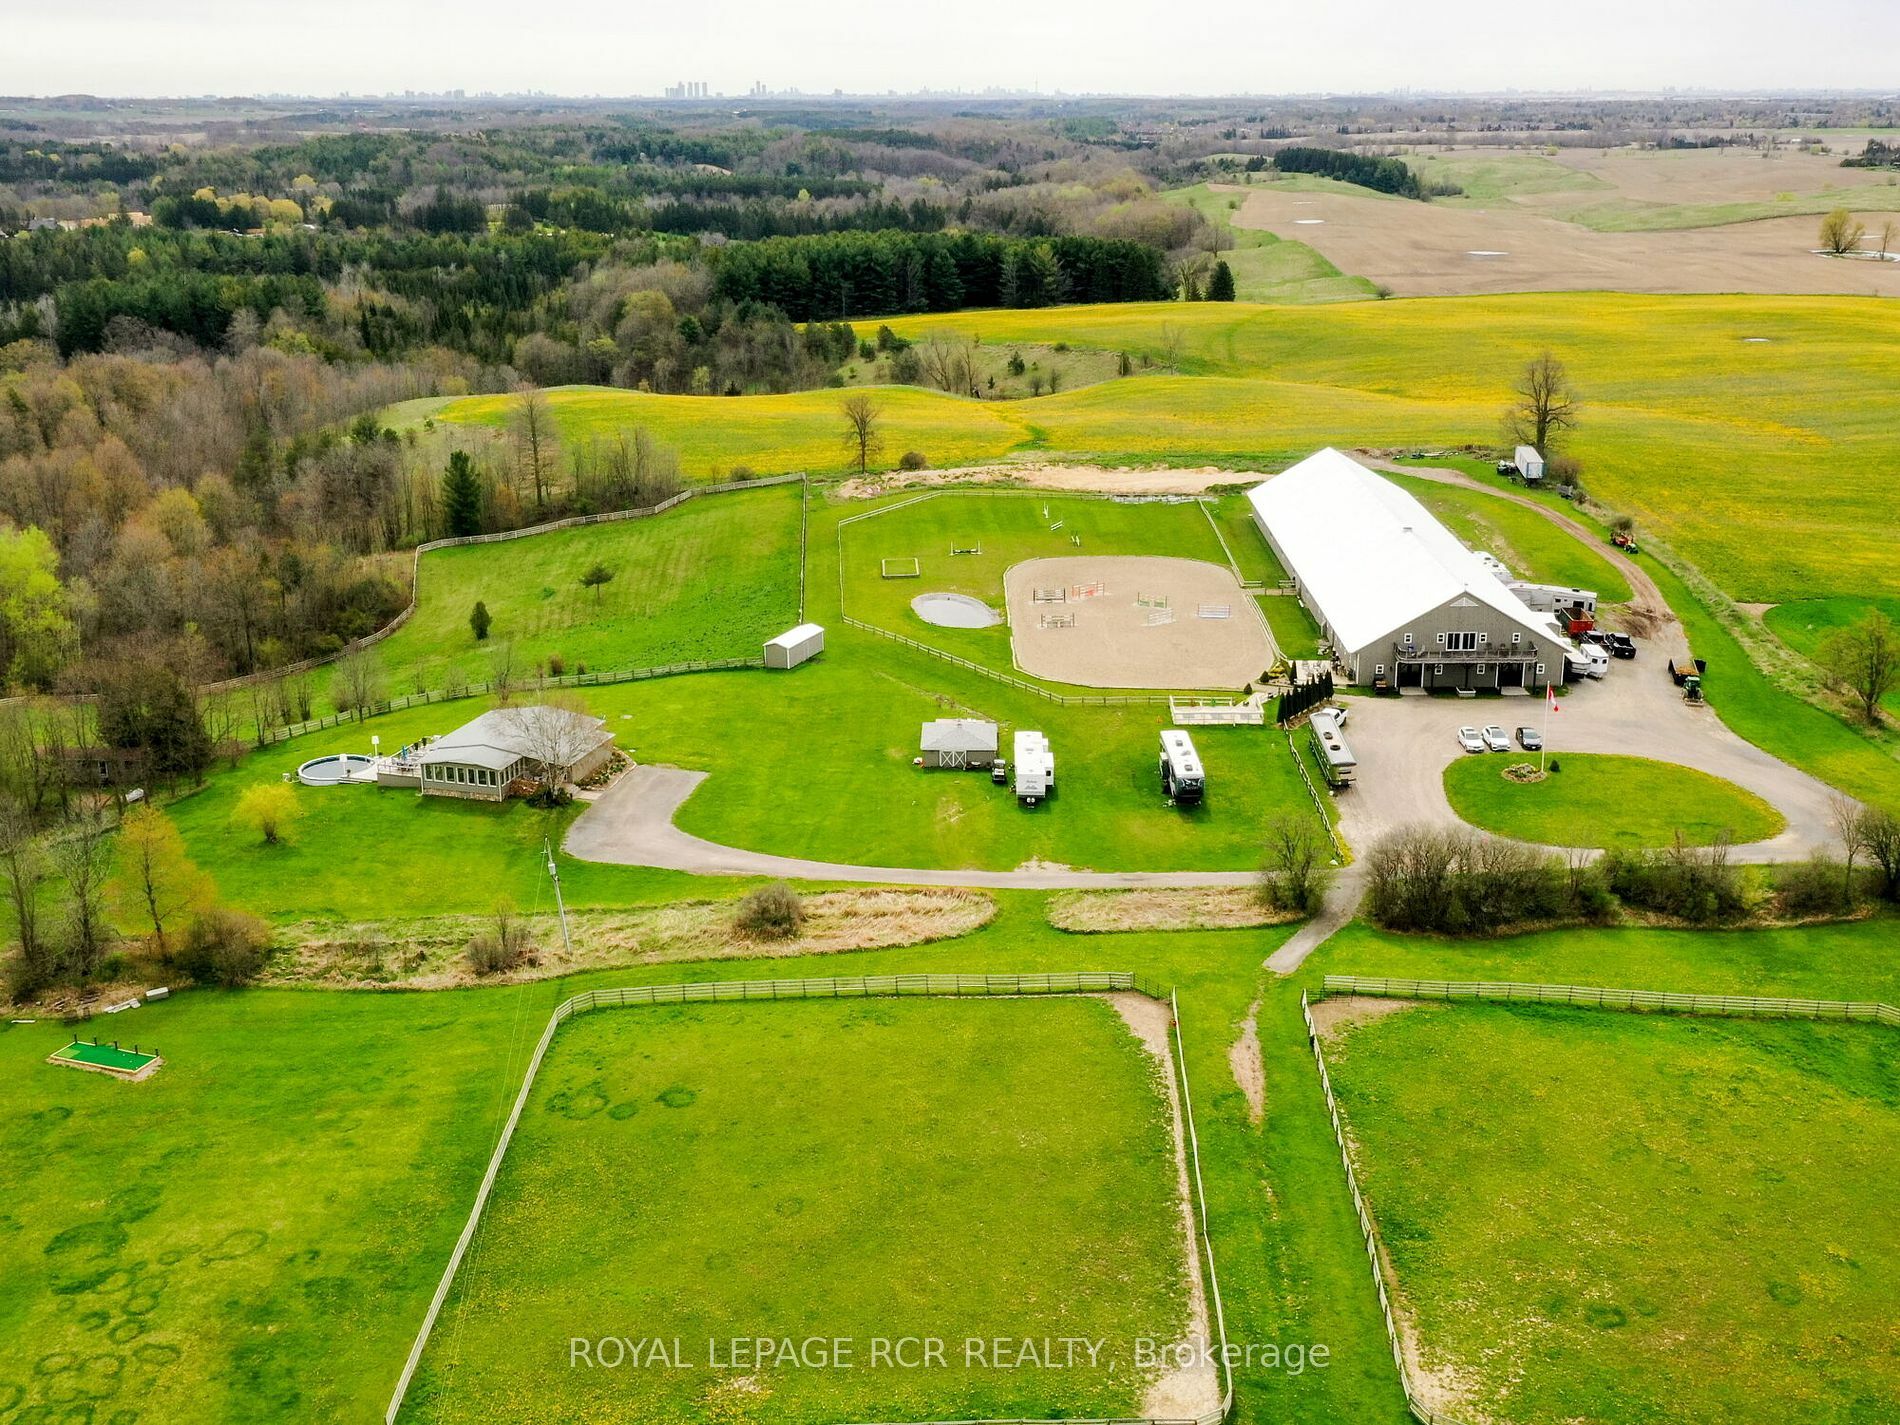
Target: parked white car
{"type": "Point", "coordinates": [1496, 739]}
{"type": "Point", "coordinates": [1469, 739]}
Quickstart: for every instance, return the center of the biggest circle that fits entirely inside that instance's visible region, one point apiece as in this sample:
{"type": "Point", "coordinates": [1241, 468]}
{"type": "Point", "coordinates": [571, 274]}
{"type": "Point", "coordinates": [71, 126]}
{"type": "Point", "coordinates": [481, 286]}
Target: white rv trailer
{"type": "Point", "coordinates": [1182, 777]}
{"type": "Point", "coordinates": [1035, 768]}
{"type": "Point", "coordinates": [1334, 752]}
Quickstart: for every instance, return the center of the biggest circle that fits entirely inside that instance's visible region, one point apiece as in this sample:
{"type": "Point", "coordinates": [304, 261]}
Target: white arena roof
{"type": "Point", "coordinates": [1368, 556]}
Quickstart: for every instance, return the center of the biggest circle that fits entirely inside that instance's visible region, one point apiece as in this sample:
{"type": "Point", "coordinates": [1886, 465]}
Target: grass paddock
{"type": "Point", "coordinates": [1606, 802]}
{"type": "Point", "coordinates": [823, 1171]}
{"type": "Point", "coordinates": [1681, 1219]}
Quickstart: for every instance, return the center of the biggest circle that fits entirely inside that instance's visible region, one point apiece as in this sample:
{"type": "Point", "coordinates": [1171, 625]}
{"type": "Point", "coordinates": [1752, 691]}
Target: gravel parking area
{"type": "Point", "coordinates": [1405, 744]}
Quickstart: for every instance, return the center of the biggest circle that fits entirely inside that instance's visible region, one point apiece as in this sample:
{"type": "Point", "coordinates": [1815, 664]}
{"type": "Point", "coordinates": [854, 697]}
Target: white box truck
{"type": "Point", "coordinates": [1181, 775]}
{"type": "Point", "coordinates": [1035, 768]}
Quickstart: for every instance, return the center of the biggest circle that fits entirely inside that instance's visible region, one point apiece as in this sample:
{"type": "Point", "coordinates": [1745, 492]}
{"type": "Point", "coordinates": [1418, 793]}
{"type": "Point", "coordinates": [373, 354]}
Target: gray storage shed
{"type": "Point", "coordinates": [794, 646]}
{"type": "Point", "coordinates": [958, 742]}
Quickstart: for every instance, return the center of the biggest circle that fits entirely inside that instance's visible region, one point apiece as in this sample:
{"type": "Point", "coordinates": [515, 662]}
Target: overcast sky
{"type": "Point", "coordinates": [619, 47]}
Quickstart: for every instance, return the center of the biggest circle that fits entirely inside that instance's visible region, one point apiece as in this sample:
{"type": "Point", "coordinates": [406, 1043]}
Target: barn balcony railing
{"type": "Point", "coordinates": [1492, 653]}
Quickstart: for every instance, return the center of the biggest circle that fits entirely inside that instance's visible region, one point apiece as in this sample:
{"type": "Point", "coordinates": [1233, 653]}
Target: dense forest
{"type": "Point", "coordinates": [1382, 175]}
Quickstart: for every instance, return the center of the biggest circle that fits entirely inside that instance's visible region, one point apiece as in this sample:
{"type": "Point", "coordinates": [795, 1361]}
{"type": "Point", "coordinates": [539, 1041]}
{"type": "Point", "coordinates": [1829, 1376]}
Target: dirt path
{"type": "Point", "coordinates": [1044, 475]}
{"type": "Point", "coordinates": [1250, 1070]}
{"type": "Point", "coordinates": [1187, 1390]}
{"type": "Point", "coordinates": [632, 825]}
{"type": "Point", "coordinates": [1340, 906]}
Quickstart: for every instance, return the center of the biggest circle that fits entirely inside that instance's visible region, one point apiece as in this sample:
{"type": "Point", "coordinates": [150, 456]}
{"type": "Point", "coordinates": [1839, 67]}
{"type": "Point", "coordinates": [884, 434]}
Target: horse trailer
{"type": "Point", "coordinates": [1181, 775]}
{"type": "Point", "coordinates": [1330, 746]}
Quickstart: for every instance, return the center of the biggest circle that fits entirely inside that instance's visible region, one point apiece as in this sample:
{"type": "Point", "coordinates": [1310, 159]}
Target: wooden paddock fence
{"type": "Point", "coordinates": [1368, 1231]}
{"type": "Point", "coordinates": [1081, 982]}
{"type": "Point", "coordinates": [268, 736]}
{"type": "Point", "coordinates": [1590, 997]}
{"type": "Point", "coordinates": [370, 640]}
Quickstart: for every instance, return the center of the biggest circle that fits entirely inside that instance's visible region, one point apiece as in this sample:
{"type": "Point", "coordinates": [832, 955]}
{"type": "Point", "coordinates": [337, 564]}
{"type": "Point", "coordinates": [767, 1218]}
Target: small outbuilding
{"type": "Point", "coordinates": [795, 646]}
{"type": "Point", "coordinates": [1529, 464]}
{"type": "Point", "coordinates": [959, 742]}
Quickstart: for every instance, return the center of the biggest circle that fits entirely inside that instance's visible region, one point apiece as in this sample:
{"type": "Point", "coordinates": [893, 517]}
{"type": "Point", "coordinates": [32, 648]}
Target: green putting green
{"type": "Point", "coordinates": [104, 1056]}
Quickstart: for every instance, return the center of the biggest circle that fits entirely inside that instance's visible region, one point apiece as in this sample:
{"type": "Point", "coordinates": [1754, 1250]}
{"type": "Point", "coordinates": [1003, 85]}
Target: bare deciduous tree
{"type": "Point", "coordinates": [949, 362]}
{"type": "Point", "coordinates": [501, 669]}
{"type": "Point", "coordinates": [1290, 877]}
{"type": "Point", "coordinates": [1880, 833]}
{"type": "Point", "coordinates": [537, 448]}
{"type": "Point", "coordinates": [358, 683]}
{"type": "Point", "coordinates": [1850, 820]}
{"type": "Point", "coordinates": [555, 734]}
{"type": "Point", "coordinates": [1173, 339]}
{"type": "Point", "coordinates": [863, 435]}
{"type": "Point", "coordinates": [23, 868]}
{"type": "Point", "coordinates": [81, 860]}
{"type": "Point", "coordinates": [1545, 407]}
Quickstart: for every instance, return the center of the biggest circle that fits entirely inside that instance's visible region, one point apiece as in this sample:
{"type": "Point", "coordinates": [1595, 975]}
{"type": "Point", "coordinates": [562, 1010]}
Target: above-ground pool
{"type": "Point", "coordinates": [342, 767]}
{"type": "Point", "coordinates": [954, 611]}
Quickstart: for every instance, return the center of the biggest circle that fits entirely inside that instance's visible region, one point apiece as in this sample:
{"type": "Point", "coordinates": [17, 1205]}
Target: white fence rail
{"type": "Point", "coordinates": [1592, 997]}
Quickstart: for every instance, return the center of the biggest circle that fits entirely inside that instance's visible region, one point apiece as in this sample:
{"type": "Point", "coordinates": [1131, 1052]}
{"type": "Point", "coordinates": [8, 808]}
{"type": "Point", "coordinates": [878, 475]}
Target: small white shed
{"type": "Point", "coordinates": [794, 646]}
{"type": "Point", "coordinates": [1530, 464]}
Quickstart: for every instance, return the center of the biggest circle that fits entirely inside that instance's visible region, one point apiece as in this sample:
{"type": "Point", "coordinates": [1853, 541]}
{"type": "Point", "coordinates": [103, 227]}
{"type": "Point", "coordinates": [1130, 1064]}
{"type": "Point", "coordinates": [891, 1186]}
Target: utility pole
{"type": "Point", "coordinates": [560, 905]}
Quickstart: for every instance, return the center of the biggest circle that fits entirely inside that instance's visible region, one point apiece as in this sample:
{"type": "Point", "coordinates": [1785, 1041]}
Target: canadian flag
{"type": "Point", "coordinates": [1550, 697]}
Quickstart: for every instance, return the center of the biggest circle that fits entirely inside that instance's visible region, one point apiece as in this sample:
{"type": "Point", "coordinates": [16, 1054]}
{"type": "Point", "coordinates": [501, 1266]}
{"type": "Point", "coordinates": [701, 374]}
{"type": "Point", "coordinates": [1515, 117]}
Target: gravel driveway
{"type": "Point", "coordinates": [632, 825]}
{"type": "Point", "coordinates": [1405, 744]}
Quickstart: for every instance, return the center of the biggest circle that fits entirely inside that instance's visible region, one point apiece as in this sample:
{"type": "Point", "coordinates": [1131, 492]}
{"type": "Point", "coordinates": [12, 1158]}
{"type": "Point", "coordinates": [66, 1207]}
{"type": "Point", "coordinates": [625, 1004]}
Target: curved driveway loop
{"type": "Point", "coordinates": [632, 825]}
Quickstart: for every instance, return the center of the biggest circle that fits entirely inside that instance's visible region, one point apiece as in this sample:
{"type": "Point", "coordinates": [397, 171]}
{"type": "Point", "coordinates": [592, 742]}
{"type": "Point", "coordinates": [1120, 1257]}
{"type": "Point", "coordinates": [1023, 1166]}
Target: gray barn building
{"type": "Point", "coordinates": [1402, 601]}
{"type": "Point", "coordinates": [958, 742]}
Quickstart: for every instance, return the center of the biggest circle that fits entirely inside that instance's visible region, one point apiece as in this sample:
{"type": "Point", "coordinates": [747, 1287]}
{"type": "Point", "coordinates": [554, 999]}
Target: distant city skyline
{"type": "Point", "coordinates": [597, 48]}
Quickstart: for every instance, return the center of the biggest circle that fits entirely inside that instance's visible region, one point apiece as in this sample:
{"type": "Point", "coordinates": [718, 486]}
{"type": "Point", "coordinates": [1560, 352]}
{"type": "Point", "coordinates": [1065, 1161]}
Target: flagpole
{"type": "Point", "coordinates": [1543, 743]}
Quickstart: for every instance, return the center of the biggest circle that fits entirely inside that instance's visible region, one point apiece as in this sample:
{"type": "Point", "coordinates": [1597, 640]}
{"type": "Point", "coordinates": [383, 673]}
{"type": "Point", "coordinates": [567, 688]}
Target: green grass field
{"type": "Point", "coordinates": [831, 1171]}
{"type": "Point", "coordinates": [1677, 1219]}
{"type": "Point", "coordinates": [1758, 459]}
{"type": "Point", "coordinates": [1806, 624]}
{"type": "Point", "coordinates": [1606, 801]}
{"type": "Point", "coordinates": [711, 579]}
{"type": "Point", "coordinates": [842, 730]}
{"type": "Point", "coordinates": [292, 1288]}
